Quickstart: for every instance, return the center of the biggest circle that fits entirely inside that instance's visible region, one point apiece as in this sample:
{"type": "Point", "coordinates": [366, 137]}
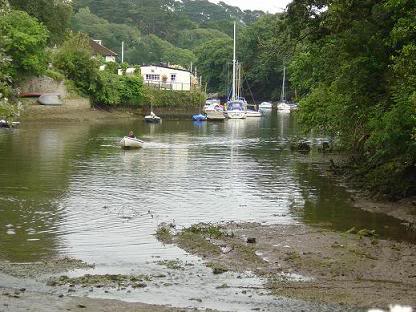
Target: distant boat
{"type": "Point", "coordinates": [236, 106]}
{"type": "Point", "coordinates": [50, 99]}
{"type": "Point", "coordinates": [283, 105]}
{"type": "Point", "coordinates": [152, 118]}
{"type": "Point", "coordinates": [236, 109]}
{"type": "Point", "coordinates": [211, 102]}
{"type": "Point", "coordinates": [199, 117]}
{"type": "Point", "coordinates": [252, 112]}
{"type": "Point", "coordinates": [130, 143]}
{"type": "Point", "coordinates": [266, 105]}
{"type": "Point", "coordinates": [215, 112]}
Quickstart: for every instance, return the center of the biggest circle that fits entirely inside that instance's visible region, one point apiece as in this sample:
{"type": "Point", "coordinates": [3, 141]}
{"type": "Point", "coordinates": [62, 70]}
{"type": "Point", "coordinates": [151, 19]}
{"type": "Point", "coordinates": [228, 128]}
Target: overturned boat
{"type": "Point", "coordinates": [50, 99]}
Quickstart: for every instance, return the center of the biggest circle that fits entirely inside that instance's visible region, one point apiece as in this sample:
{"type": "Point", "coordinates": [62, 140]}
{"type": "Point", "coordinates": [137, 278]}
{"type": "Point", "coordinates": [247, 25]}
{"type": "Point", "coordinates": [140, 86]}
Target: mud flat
{"type": "Point", "coordinates": [303, 262]}
{"type": "Point", "coordinates": [22, 300]}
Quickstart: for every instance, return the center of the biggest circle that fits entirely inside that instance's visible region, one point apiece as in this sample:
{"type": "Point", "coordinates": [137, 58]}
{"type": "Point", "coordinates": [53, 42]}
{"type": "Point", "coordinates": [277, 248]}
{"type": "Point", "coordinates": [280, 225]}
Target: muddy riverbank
{"type": "Point", "coordinates": [80, 110]}
{"type": "Point", "coordinates": [309, 263]}
{"type": "Point", "coordinates": [22, 300]}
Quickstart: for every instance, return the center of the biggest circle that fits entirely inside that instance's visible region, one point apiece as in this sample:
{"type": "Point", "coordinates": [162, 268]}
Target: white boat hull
{"type": "Point", "coordinates": [128, 143]}
{"type": "Point", "coordinates": [283, 107]}
{"type": "Point", "coordinates": [236, 114]}
{"type": "Point", "coordinates": [215, 115]}
{"type": "Point", "coordinates": [253, 114]}
{"type": "Point", "coordinates": [265, 105]}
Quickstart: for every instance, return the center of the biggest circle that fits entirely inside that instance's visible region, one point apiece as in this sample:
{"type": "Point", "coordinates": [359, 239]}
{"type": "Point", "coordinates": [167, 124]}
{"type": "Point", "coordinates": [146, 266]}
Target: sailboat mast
{"type": "Point", "coordinates": [234, 64]}
{"type": "Point", "coordinates": [283, 96]}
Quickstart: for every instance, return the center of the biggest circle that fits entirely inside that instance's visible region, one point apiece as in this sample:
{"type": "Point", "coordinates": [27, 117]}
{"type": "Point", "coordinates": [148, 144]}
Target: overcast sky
{"type": "Point", "coordinates": [271, 6]}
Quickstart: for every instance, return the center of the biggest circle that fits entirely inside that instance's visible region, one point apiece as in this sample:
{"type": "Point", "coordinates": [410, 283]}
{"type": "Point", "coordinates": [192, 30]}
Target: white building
{"type": "Point", "coordinates": [169, 77]}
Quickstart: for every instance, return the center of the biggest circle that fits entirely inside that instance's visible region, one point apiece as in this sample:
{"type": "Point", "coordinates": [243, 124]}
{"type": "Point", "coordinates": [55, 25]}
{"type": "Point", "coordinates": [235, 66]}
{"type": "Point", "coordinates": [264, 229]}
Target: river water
{"type": "Point", "coordinates": [69, 190]}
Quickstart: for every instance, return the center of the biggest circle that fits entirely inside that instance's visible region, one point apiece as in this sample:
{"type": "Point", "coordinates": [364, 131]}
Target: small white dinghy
{"type": "Point", "coordinates": [129, 143]}
{"type": "Point", "coordinates": [152, 118]}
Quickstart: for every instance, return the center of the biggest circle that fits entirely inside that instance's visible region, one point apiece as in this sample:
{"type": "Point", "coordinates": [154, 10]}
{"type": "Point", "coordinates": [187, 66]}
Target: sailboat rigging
{"type": "Point", "coordinates": [236, 107]}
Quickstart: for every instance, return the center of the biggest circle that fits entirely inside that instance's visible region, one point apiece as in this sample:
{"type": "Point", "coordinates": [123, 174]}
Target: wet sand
{"type": "Point", "coordinates": [312, 264]}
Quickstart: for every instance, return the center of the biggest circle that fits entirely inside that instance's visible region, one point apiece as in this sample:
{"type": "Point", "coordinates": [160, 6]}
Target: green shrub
{"type": "Point", "coordinates": [168, 98]}
{"type": "Point", "coordinates": [74, 59]}
{"type": "Point", "coordinates": [55, 75]}
{"type": "Point", "coordinates": [108, 89]}
{"type": "Point", "coordinates": [131, 90]}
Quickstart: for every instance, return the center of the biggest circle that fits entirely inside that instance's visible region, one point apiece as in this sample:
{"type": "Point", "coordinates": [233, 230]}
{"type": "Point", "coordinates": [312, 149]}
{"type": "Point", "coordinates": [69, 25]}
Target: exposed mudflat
{"type": "Point", "coordinates": [312, 264]}
{"type": "Point", "coordinates": [22, 300]}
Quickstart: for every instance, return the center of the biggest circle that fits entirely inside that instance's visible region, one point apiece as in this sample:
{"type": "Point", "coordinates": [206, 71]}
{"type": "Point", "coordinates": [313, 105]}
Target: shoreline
{"type": "Point", "coordinates": [13, 299]}
{"type": "Point", "coordinates": [80, 110]}
{"type": "Point", "coordinates": [308, 263]}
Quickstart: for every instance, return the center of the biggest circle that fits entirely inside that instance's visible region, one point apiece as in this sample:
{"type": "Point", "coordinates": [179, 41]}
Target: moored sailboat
{"type": "Point", "coordinates": [236, 107]}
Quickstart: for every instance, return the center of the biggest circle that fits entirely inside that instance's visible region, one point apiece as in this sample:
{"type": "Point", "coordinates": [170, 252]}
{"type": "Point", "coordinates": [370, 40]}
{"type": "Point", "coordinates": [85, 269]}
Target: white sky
{"type": "Point", "coordinates": [271, 6]}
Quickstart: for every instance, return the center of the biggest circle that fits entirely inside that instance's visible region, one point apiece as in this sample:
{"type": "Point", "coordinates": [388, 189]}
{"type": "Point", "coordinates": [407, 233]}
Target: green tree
{"type": "Point", "coordinates": [24, 40]}
{"type": "Point", "coordinates": [212, 60]}
{"type": "Point", "coordinates": [54, 14]}
{"type": "Point", "coordinates": [354, 63]}
{"type": "Point", "coordinates": [152, 49]}
{"type": "Point", "coordinates": [193, 38]}
{"type": "Point", "coordinates": [111, 34]}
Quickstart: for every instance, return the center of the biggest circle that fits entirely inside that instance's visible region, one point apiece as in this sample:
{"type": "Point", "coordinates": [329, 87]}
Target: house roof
{"type": "Point", "coordinates": [100, 49]}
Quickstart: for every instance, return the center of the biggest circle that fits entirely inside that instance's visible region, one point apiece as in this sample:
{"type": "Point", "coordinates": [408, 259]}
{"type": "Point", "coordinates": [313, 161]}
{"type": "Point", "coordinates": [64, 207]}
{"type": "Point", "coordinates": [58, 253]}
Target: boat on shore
{"type": "Point", "coordinates": [50, 99]}
{"type": "Point", "coordinates": [131, 143]}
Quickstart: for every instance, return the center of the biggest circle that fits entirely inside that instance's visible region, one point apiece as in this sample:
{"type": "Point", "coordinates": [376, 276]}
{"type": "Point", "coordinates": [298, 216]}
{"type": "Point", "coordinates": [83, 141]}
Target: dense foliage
{"type": "Point", "coordinates": [55, 15]}
{"type": "Point", "coordinates": [74, 59]}
{"type": "Point", "coordinates": [22, 52]}
{"type": "Point", "coordinates": [24, 40]}
{"type": "Point", "coordinates": [354, 64]}
{"type": "Point", "coordinates": [165, 31]}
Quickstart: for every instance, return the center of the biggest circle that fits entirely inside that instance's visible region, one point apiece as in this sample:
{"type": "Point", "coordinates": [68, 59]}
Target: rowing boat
{"type": "Point", "coordinates": [129, 143]}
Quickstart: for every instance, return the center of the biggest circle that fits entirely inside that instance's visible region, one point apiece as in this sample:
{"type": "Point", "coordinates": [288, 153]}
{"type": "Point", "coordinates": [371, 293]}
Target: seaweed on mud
{"type": "Point", "coordinates": [107, 280]}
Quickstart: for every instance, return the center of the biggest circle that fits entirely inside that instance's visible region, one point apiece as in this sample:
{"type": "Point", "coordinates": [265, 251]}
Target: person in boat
{"type": "Point", "coordinates": [131, 135]}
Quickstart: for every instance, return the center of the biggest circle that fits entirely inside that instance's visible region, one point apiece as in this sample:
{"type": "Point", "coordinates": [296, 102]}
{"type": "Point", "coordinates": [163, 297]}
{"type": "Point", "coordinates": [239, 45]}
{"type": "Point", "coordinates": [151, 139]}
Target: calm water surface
{"type": "Point", "coordinates": [68, 189]}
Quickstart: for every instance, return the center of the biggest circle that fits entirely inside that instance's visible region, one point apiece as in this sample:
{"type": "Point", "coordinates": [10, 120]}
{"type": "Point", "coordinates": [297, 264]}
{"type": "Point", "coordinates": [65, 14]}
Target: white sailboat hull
{"type": "Point", "coordinates": [265, 105]}
{"type": "Point", "coordinates": [253, 114]}
{"type": "Point", "coordinates": [128, 143]}
{"type": "Point", "coordinates": [236, 114]}
{"type": "Point", "coordinates": [283, 107]}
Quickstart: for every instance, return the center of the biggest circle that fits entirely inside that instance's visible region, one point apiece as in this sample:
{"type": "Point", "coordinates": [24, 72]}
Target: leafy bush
{"type": "Point", "coordinates": [168, 98]}
{"type": "Point", "coordinates": [132, 90]}
{"type": "Point", "coordinates": [115, 90]}
{"type": "Point", "coordinates": [108, 89]}
{"type": "Point", "coordinates": [74, 59]}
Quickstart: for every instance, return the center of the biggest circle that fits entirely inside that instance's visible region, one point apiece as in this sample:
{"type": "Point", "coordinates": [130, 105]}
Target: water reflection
{"type": "Point", "coordinates": [69, 189]}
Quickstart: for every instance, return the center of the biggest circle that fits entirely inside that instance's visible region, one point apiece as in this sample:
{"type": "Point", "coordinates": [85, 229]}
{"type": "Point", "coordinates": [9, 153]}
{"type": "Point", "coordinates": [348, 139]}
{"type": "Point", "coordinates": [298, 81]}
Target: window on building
{"type": "Point", "coordinates": [173, 77]}
{"type": "Point", "coordinates": [153, 77]}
